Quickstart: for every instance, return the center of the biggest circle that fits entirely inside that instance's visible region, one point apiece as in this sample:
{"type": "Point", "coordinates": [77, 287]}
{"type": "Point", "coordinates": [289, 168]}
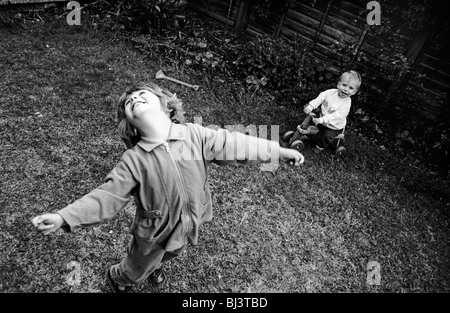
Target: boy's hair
{"type": "Point", "coordinates": [169, 103]}
{"type": "Point", "coordinates": [353, 75]}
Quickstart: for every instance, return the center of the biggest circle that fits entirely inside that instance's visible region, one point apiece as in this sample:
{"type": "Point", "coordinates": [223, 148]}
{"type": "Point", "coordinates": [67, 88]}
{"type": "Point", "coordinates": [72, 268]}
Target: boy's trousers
{"type": "Point", "coordinates": [325, 136]}
{"type": "Point", "coordinates": [136, 267]}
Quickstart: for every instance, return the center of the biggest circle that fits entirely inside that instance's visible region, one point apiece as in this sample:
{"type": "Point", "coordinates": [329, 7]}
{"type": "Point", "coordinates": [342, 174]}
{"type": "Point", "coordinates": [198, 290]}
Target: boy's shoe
{"type": "Point", "coordinates": [310, 130]}
{"type": "Point", "coordinates": [113, 286]}
{"type": "Point", "coordinates": [158, 277]}
{"type": "Point", "coordinates": [318, 149]}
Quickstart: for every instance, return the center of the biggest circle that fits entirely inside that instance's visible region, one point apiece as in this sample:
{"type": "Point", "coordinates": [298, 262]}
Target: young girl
{"type": "Point", "coordinates": [166, 170]}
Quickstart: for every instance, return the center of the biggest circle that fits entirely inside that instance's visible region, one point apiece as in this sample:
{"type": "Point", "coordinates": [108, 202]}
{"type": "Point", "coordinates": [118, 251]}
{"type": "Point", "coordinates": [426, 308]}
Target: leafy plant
{"type": "Point", "coordinates": [264, 8]}
{"type": "Point", "coordinates": [200, 54]}
{"type": "Point", "coordinates": [274, 60]}
{"type": "Point", "coordinates": [143, 16]}
{"type": "Point", "coordinates": [197, 47]}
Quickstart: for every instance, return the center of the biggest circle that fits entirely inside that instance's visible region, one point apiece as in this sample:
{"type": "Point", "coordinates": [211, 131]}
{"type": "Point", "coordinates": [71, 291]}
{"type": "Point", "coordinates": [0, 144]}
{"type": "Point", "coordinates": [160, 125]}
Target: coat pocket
{"type": "Point", "coordinates": [148, 225]}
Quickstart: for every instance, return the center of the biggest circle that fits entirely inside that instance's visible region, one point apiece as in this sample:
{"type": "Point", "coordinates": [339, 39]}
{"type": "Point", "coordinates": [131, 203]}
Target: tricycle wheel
{"type": "Point", "coordinates": [339, 150]}
{"type": "Point", "coordinates": [298, 145]}
{"type": "Point", "coordinates": [288, 135]}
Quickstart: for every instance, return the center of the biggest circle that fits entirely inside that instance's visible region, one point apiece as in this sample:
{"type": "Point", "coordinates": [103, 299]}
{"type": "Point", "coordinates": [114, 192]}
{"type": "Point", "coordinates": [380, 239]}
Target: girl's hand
{"type": "Point", "coordinates": [315, 120]}
{"type": "Point", "coordinates": [48, 223]}
{"type": "Point", "coordinates": [292, 156]}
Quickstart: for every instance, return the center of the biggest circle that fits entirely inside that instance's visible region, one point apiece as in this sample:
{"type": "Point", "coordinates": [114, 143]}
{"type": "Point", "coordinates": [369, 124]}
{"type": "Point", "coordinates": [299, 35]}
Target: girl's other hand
{"type": "Point", "coordinates": [48, 223]}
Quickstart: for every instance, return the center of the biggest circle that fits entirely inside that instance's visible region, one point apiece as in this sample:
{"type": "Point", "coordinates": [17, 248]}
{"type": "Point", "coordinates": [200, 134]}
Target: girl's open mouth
{"type": "Point", "coordinates": [135, 104]}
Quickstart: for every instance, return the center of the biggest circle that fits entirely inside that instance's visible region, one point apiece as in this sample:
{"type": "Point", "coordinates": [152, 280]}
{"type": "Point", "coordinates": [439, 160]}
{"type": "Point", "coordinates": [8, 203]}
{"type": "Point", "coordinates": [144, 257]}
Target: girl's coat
{"type": "Point", "coordinates": [169, 182]}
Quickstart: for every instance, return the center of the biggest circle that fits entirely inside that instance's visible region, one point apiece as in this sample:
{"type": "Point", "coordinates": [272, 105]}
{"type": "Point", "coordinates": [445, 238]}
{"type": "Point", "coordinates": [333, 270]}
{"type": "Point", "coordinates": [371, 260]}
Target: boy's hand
{"type": "Point", "coordinates": [292, 155]}
{"type": "Point", "coordinates": [315, 120]}
{"type": "Point", "coordinates": [48, 223]}
{"type": "Point", "coordinates": [307, 109]}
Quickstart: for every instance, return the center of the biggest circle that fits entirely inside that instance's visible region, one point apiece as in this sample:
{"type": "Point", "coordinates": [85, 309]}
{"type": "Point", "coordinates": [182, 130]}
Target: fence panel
{"type": "Point", "coordinates": [339, 33]}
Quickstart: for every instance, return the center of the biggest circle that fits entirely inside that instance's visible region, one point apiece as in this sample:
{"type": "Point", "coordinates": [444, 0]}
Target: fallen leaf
{"type": "Point", "coordinates": [378, 129]}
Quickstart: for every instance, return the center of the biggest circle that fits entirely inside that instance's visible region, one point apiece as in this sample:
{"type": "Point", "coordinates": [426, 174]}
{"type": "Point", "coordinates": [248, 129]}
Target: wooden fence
{"type": "Point", "coordinates": [327, 24]}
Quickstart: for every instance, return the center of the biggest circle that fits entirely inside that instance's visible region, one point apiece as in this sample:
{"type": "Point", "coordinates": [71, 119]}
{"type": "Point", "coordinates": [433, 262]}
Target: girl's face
{"type": "Point", "coordinates": [347, 87]}
{"type": "Point", "coordinates": [140, 102]}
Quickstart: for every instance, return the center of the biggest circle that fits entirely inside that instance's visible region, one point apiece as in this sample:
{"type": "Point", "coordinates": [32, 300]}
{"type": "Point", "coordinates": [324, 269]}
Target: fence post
{"type": "Point", "coordinates": [283, 17]}
{"type": "Point", "coordinates": [358, 47]}
{"type": "Point", "coordinates": [242, 18]}
{"type": "Point", "coordinates": [228, 15]}
{"type": "Point", "coordinates": [322, 22]}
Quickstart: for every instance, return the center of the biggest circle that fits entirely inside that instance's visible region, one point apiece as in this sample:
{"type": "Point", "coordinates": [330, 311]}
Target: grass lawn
{"type": "Point", "coordinates": [309, 229]}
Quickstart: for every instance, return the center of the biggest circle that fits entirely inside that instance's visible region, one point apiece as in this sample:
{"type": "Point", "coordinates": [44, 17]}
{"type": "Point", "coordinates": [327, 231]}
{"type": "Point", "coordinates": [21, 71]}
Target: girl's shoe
{"type": "Point", "coordinates": [158, 277]}
{"type": "Point", "coordinates": [113, 286]}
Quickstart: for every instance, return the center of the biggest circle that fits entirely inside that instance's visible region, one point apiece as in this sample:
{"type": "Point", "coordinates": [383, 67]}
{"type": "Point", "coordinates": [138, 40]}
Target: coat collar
{"type": "Point", "coordinates": [176, 132]}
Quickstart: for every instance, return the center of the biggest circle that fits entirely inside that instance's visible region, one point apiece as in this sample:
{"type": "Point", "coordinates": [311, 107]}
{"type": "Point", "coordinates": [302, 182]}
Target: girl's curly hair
{"type": "Point", "coordinates": [169, 103]}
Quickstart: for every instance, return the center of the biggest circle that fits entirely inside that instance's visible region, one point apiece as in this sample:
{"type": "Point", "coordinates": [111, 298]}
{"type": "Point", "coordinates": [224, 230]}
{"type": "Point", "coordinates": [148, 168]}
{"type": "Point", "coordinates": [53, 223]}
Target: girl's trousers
{"type": "Point", "coordinates": [136, 267]}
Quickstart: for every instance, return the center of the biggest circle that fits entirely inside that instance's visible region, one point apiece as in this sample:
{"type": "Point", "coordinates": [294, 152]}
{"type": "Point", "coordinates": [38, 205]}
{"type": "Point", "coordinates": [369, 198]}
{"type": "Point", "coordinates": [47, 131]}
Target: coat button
{"type": "Point", "coordinates": [157, 213]}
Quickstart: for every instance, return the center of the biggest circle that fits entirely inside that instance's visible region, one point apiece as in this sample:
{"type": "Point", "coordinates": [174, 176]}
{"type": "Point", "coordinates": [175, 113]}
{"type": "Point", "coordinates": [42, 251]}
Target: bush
{"type": "Point", "coordinates": [143, 16]}
{"type": "Point", "coordinates": [284, 67]}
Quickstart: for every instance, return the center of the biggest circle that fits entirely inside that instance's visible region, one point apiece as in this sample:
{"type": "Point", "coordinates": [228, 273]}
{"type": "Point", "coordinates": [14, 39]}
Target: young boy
{"type": "Point", "coordinates": [334, 107]}
{"type": "Point", "coordinates": [166, 170]}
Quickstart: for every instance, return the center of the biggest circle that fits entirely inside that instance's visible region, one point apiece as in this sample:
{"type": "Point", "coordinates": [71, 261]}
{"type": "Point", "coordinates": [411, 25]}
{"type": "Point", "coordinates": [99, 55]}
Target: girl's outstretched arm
{"type": "Point", "coordinates": [99, 205]}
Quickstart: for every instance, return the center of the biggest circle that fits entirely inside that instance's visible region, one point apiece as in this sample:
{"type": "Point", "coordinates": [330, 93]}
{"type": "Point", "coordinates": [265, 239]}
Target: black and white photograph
{"type": "Point", "coordinates": [224, 154]}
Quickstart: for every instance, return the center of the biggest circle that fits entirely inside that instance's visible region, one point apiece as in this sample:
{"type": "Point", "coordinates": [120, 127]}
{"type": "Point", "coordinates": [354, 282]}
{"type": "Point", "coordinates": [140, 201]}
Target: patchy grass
{"type": "Point", "coordinates": [307, 229]}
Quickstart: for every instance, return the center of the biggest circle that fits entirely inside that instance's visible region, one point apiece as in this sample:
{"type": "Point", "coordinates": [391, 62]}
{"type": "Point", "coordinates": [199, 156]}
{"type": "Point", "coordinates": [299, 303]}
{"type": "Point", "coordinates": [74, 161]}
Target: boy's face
{"type": "Point", "coordinates": [140, 102]}
{"type": "Point", "coordinates": [347, 87]}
